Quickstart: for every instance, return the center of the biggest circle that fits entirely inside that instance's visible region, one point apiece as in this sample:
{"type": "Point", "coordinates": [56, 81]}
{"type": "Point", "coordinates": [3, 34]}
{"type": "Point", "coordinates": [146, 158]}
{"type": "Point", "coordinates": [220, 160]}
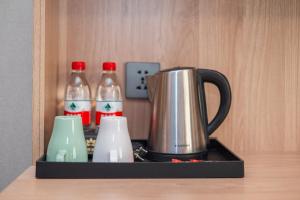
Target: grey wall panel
{"type": "Point", "coordinates": [15, 88]}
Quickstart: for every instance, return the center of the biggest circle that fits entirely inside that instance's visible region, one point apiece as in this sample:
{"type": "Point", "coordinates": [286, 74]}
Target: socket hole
{"type": "Point", "coordinates": [146, 72]}
{"type": "Point", "coordinates": [139, 72]}
{"type": "Point", "coordinates": [142, 80]}
{"type": "Point", "coordinates": [145, 87]}
{"type": "Point", "coordinates": [138, 87]}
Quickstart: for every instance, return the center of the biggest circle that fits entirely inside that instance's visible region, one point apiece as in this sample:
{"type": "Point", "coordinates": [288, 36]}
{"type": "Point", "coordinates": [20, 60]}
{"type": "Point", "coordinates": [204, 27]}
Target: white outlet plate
{"type": "Point", "coordinates": [136, 84]}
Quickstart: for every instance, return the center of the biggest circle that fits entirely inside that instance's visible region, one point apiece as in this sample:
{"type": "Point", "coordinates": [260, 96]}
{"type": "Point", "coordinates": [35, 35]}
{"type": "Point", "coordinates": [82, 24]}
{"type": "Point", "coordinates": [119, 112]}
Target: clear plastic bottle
{"type": "Point", "coordinates": [78, 94]}
{"type": "Point", "coordinates": [108, 94]}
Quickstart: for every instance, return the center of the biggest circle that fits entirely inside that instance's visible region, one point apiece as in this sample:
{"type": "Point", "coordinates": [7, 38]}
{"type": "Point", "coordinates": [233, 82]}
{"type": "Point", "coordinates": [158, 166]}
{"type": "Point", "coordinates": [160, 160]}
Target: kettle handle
{"type": "Point", "coordinates": [219, 80]}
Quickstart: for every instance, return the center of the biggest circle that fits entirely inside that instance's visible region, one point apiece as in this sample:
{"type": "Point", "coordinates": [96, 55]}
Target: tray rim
{"type": "Point", "coordinates": [211, 167]}
{"type": "Point", "coordinates": [213, 139]}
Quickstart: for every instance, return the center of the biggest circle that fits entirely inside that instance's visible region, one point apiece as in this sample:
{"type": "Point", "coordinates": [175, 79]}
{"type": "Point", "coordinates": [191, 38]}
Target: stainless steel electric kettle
{"type": "Point", "coordinates": [179, 126]}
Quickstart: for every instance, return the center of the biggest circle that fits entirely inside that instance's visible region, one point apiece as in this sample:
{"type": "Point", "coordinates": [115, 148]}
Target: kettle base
{"type": "Point", "coordinates": [165, 157]}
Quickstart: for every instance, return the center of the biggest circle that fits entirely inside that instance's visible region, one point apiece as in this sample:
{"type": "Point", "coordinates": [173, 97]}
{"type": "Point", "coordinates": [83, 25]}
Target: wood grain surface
{"type": "Point", "coordinates": [268, 176]}
{"type": "Point", "coordinates": [255, 43]}
{"type": "Point", "coordinates": [37, 88]}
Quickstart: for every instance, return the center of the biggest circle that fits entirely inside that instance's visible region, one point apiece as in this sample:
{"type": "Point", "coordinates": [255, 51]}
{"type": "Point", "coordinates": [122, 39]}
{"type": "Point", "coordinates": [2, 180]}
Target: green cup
{"type": "Point", "coordinates": [67, 143]}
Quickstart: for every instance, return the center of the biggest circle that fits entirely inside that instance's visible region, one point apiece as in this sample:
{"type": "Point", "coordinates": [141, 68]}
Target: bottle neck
{"type": "Point", "coordinates": [108, 72]}
{"type": "Point", "coordinates": [111, 74]}
{"type": "Point", "coordinates": [78, 71]}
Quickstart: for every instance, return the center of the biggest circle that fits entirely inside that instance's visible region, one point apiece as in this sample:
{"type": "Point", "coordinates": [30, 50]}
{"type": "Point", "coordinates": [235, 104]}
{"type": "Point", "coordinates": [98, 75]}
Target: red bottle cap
{"type": "Point", "coordinates": [109, 66]}
{"type": "Point", "coordinates": [78, 65]}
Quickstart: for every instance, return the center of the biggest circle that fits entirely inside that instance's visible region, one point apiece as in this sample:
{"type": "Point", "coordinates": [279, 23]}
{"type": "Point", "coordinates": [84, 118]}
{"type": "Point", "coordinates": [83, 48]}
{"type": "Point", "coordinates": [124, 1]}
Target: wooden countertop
{"type": "Point", "coordinates": [268, 176]}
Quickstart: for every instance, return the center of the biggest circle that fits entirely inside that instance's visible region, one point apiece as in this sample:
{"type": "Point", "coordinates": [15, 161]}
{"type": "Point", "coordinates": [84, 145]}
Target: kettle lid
{"type": "Point", "coordinates": [177, 69]}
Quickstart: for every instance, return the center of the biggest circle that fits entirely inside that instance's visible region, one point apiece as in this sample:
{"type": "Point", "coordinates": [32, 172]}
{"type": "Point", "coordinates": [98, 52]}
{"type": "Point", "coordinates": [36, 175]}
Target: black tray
{"type": "Point", "coordinates": [220, 163]}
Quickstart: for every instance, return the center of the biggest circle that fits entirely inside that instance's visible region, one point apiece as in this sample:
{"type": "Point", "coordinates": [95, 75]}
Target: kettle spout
{"type": "Point", "coordinates": [151, 85]}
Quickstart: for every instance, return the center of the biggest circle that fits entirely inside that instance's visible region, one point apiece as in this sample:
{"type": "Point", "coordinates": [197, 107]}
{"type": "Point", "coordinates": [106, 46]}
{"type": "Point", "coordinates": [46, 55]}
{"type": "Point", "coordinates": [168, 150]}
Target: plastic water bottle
{"type": "Point", "coordinates": [78, 95]}
{"type": "Point", "coordinates": [108, 94]}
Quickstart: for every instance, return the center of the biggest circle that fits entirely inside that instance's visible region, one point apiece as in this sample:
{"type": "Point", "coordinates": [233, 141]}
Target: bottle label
{"type": "Point", "coordinates": [108, 108]}
{"type": "Point", "coordinates": [80, 108]}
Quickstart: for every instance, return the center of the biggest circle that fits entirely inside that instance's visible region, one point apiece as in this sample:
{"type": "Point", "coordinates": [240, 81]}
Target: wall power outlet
{"type": "Point", "coordinates": [136, 83]}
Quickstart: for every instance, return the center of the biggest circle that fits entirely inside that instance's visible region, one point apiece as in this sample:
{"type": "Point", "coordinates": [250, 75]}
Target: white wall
{"type": "Point", "coordinates": [15, 88]}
